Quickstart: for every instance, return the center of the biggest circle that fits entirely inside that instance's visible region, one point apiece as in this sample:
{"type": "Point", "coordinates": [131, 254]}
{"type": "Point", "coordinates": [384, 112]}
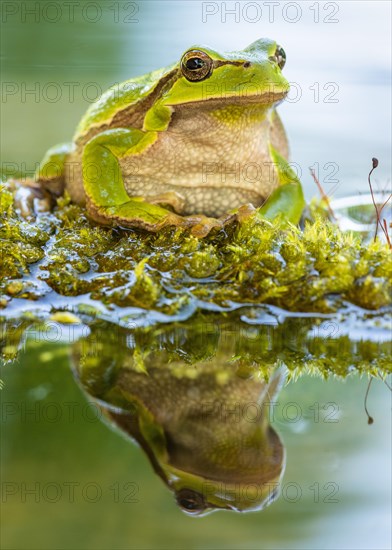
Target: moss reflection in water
{"type": "Point", "coordinates": [196, 398]}
{"type": "Point", "coordinates": [196, 395]}
{"type": "Point", "coordinates": [65, 445]}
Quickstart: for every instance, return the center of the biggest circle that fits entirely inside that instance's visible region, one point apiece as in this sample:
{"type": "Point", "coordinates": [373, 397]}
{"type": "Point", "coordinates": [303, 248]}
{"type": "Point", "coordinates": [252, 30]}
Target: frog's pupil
{"type": "Point", "coordinates": [190, 501]}
{"type": "Point", "coordinates": [194, 63]}
{"type": "Point", "coordinates": [188, 504]}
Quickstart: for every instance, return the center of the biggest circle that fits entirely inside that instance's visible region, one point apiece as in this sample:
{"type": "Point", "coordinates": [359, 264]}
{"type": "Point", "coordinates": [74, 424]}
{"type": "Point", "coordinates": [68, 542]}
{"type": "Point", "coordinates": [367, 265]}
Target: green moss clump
{"type": "Point", "coordinates": [252, 261]}
{"type": "Point", "coordinates": [21, 243]}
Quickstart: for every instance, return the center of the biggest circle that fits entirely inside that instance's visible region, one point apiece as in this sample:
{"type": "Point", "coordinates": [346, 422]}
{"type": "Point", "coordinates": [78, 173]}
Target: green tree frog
{"type": "Point", "coordinates": [185, 145]}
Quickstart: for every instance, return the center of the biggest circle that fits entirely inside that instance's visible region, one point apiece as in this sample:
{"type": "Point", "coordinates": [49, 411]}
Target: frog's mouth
{"type": "Point", "coordinates": [243, 98]}
{"type": "Point", "coordinates": [231, 487]}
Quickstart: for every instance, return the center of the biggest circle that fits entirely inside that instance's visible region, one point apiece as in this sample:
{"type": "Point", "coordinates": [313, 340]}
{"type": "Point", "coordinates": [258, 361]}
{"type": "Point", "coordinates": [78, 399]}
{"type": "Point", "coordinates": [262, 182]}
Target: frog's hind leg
{"type": "Point", "coordinates": [106, 197]}
{"type": "Point", "coordinates": [287, 201]}
{"type": "Point", "coordinates": [51, 172]}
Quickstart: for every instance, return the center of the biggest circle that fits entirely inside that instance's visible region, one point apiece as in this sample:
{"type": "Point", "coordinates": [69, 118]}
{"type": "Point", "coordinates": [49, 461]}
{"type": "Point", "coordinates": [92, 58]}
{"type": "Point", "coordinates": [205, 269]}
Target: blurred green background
{"type": "Point", "coordinates": [58, 56]}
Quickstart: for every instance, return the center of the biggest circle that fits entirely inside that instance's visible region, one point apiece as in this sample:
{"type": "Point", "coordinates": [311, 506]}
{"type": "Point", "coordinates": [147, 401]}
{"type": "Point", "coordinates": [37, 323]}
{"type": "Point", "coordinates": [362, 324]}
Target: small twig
{"type": "Point", "coordinates": [384, 226]}
{"type": "Point", "coordinates": [375, 164]}
{"type": "Point", "coordinates": [387, 385]}
{"type": "Point", "coordinates": [322, 193]}
{"type": "Point", "coordinates": [382, 206]}
{"type": "Point", "coordinates": [386, 233]}
{"type": "Point", "coordinates": [332, 189]}
{"type": "Point", "coordinates": [370, 418]}
{"type": "Point", "coordinates": [379, 210]}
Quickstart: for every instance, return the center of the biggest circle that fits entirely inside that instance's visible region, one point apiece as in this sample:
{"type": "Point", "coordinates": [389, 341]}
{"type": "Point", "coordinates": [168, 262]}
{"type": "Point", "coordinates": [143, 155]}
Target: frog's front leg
{"type": "Point", "coordinates": [107, 199]}
{"type": "Point", "coordinates": [51, 171]}
{"type": "Point", "coordinates": [39, 194]}
{"type": "Point", "coordinates": [287, 200]}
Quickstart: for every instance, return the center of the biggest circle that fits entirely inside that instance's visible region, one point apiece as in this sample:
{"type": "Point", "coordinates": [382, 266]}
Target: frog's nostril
{"type": "Point", "coordinates": [247, 64]}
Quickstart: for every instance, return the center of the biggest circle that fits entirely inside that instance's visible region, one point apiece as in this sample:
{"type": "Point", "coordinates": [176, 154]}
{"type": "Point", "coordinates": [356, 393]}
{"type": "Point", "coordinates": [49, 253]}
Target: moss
{"type": "Point", "coordinates": [65, 317]}
{"type": "Point", "coordinates": [315, 269]}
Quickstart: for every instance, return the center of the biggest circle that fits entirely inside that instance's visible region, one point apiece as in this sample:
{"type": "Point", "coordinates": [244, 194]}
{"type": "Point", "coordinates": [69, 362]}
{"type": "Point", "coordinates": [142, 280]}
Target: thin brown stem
{"type": "Point", "coordinates": [387, 385]}
{"type": "Point", "coordinates": [370, 418]}
{"type": "Point", "coordinates": [384, 224]}
{"type": "Point", "coordinates": [385, 229]}
{"type": "Point", "coordinates": [375, 164]}
{"type": "Point", "coordinates": [384, 203]}
{"type": "Point", "coordinates": [378, 210]}
{"type": "Point", "coordinates": [322, 193]}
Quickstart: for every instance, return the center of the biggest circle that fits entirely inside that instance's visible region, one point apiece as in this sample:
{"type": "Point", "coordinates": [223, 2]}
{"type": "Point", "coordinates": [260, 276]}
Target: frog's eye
{"type": "Point", "coordinates": [279, 57]}
{"type": "Point", "coordinates": [196, 65]}
{"type": "Point", "coordinates": [190, 501]}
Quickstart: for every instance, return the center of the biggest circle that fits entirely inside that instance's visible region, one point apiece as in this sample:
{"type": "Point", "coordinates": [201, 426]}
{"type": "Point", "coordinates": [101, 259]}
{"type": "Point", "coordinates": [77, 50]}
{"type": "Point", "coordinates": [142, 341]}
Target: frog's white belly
{"type": "Point", "coordinates": [213, 166]}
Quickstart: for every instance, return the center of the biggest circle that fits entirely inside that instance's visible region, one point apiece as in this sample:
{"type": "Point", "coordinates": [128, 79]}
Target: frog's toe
{"type": "Point", "coordinates": [202, 225]}
{"type": "Point", "coordinates": [171, 198]}
{"type": "Point", "coordinates": [30, 199]}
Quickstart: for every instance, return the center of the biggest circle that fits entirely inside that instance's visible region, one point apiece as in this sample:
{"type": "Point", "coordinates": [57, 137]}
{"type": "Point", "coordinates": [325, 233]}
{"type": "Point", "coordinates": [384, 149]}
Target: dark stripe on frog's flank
{"type": "Point", "coordinates": [123, 117]}
{"type": "Point", "coordinates": [133, 114]}
{"type": "Point", "coordinates": [130, 424]}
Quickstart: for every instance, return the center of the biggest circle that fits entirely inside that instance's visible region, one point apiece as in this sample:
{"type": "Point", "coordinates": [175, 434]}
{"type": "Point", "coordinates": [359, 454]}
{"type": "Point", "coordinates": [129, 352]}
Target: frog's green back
{"type": "Point", "coordinates": [121, 96]}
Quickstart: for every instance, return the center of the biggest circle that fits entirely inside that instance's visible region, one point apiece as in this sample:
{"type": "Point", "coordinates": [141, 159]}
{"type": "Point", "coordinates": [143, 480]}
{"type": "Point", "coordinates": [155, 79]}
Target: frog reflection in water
{"type": "Point", "coordinates": [204, 428]}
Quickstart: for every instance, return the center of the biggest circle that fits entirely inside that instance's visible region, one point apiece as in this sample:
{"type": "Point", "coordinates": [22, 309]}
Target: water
{"type": "Point", "coordinates": [92, 488]}
{"type": "Point", "coordinates": [63, 464]}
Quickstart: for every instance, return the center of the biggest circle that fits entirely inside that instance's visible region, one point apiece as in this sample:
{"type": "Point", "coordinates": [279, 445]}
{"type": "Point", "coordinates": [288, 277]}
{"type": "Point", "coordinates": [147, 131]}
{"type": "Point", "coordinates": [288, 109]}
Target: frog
{"type": "Point", "coordinates": [204, 426]}
{"type": "Point", "coordinates": [189, 145]}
